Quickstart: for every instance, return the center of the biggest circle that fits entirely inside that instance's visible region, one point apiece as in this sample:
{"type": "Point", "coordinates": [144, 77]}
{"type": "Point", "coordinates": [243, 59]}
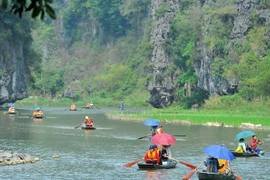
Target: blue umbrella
{"type": "Point", "coordinates": [244, 134]}
{"type": "Point", "coordinates": [11, 104]}
{"type": "Point", "coordinates": [37, 107]}
{"type": "Point", "coordinates": [151, 122]}
{"type": "Point", "coordinates": [219, 152]}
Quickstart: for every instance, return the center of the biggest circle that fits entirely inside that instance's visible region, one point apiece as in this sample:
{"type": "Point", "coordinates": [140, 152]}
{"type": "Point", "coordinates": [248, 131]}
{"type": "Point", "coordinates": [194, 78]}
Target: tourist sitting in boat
{"type": "Point", "coordinates": [88, 121]}
{"type": "Point", "coordinates": [226, 166]}
{"type": "Point", "coordinates": [152, 155]}
{"type": "Point", "coordinates": [88, 105]}
{"type": "Point", "coordinates": [153, 130]}
{"type": "Point", "coordinates": [38, 113]}
{"type": "Point", "coordinates": [253, 144]}
{"type": "Point", "coordinates": [158, 130]}
{"type": "Point", "coordinates": [11, 109]}
{"type": "Point", "coordinates": [241, 146]}
{"type": "Point", "coordinates": [212, 165]}
{"type": "Point", "coordinates": [166, 152]}
{"type": "Point", "coordinates": [72, 106]}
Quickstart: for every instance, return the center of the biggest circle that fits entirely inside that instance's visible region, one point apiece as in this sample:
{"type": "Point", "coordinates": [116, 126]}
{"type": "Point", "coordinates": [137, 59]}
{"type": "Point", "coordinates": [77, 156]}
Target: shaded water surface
{"type": "Point", "coordinates": [101, 154]}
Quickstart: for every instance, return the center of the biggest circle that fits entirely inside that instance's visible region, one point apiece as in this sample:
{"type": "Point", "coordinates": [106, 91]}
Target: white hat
{"type": "Point", "coordinates": [86, 117]}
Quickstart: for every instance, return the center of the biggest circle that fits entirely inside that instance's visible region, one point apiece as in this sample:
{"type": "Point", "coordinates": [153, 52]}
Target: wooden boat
{"type": "Point", "coordinates": [12, 112]}
{"type": "Point", "coordinates": [38, 116]}
{"type": "Point", "coordinates": [246, 154]}
{"type": "Point", "coordinates": [89, 127]}
{"type": "Point", "coordinates": [214, 176]}
{"type": "Point", "coordinates": [88, 107]}
{"type": "Point", "coordinates": [166, 165]}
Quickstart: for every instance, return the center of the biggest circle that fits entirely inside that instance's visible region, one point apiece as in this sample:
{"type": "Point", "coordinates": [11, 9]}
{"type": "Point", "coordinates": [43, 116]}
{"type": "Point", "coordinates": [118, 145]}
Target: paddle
{"type": "Point", "coordinates": [133, 162]}
{"type": "Point", "coordinates": [180, 135]}
{"type": "Point", "coordinates": [236, 176]}
{"type": "Point", "coordinates": [182, 162]}
{"type": "Point", "coordinates": [144, 136]}
{"type": "Point", "coordinates": [79, 125]}
{"type": "Point", "coordinates": [192, 172]}
{"type": "Point", "coordinates": [5, 112]}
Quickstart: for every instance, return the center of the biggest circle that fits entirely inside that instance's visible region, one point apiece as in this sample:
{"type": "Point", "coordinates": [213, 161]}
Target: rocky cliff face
{"type": "Point", "coordinates": [242, 22]}
{"type": "Point", "coordinates": [13, 72]}
{"type": "Point", "coordinates": [162, 89]}
{"type": "Point", "coordinates": [161, 86]}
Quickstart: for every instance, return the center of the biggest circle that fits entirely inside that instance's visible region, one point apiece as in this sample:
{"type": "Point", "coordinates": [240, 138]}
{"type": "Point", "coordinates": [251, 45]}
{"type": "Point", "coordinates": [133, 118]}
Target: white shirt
{"type": "Point", "coordinates": [168, 150]}
{"type": "Point", "coordinates": [243, 146]}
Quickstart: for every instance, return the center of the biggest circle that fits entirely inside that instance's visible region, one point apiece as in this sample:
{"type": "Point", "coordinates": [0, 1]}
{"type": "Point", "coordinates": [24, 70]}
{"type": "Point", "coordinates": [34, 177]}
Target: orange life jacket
{"type": "Point", "coordinates": [152, 155]}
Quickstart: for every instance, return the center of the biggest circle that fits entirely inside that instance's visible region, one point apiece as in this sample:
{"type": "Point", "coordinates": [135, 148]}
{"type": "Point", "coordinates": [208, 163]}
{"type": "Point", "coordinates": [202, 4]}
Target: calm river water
{"type": "Point", "coordinates": [101, 154]}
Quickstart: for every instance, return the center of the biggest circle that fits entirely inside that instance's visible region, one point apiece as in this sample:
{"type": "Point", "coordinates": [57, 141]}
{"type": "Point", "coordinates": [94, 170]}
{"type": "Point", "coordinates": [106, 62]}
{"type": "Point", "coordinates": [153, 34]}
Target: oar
{"type": "Point", "coordinates": [144, 136]}
{"type": "Point", "coordinates": [79, 125]}
{"type": "Point", "coordinates": [192, 172]}
{"type": "Point", "coordinates": [180, 135]}
{"type": "Point", "coordinates": [236, 176]}
{"type": "Point", "coordinates": [5, 112]}
{"type": "Point", "coordinates": [182, 162]}
{"type": "Point", "coordinates": [133, 162]}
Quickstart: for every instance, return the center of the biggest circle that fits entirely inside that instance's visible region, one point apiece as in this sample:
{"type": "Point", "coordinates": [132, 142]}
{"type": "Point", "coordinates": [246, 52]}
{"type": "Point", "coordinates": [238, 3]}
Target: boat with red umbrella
{"type": "Point", "coordinates": [163, 139]}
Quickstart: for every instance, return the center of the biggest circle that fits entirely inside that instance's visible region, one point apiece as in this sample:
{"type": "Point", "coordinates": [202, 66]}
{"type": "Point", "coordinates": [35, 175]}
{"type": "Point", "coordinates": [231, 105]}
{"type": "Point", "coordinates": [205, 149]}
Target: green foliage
{"type": "Point", "coordinates": [38, 7]}
{"type": "Point", "coordinates": [160, 11]}
{"type": "Point", "coordinates": [48, 82]}
{"type": "Point", "coordinates": [107, 12]}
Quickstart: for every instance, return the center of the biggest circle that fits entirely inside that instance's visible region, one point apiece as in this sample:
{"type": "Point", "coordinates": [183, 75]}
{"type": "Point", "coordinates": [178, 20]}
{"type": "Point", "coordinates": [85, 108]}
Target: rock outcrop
{"type": "Point", "coordinates": [14, 75]}
{"type": "Point", "coordinates": [12, 158]}
{"type": "Point", "coordinates": [161, 86]}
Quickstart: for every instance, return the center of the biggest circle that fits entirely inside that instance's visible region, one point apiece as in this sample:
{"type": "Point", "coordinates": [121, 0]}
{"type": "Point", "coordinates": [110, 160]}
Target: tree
{"type": "Point", "coordinates": [38, 7]}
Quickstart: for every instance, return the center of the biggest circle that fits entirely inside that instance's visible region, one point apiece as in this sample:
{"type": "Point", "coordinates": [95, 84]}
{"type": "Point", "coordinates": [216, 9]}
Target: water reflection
{"type": "Point", "coordinates": [37, 120]}
{"type": "Point", "coordinates": [156, 174]}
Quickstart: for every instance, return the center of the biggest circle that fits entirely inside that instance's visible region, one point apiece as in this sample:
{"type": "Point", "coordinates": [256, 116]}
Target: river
{"type": "Point", "coordinates": [101, 153]}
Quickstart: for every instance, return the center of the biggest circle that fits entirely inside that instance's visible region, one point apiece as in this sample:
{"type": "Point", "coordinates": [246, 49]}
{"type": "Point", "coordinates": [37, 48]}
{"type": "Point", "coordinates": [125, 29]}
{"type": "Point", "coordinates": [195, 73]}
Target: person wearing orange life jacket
{"type": "Point", "coordinates": [88, 121]}
{"type": "Point", "coordinates": [38, 112]}
{"type": "Point", "coordinates": [72, 106]}
{"type": "Point", "coordinates": [152, 155]}
{"type": "Point", "coordinates": [158, 130]}
{"type": "Point", "coordinates": [224, 169]}
{"type": "Point", "coordinates": [88, 105]}
{"type": "Point", "coordinates": [11, 109]}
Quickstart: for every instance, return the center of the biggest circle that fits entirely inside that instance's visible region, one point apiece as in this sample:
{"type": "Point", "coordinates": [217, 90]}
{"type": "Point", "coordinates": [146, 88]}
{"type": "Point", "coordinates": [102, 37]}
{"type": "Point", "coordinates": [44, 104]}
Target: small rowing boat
{"type": "Point", "coordinates": [89, 127]}
{"type": "Point", "coordinates": [214, 176]}
{"type": "Point", "coordinates": [12, 112]}
{"type": "Point", "coordinates": [165, 165]}
{"type": "Point", "coordinates": [246, 154]}
{"type": "Point", "coordinates": [38, 116]}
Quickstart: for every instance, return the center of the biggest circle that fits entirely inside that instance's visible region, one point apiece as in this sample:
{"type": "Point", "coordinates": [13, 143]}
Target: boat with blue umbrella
{"type": "Point", "coordinates": [219, 152]}
{"type": "Point", "coordinates": [243, 135]}
{"type": "Point", "coordinates": [37, 112]}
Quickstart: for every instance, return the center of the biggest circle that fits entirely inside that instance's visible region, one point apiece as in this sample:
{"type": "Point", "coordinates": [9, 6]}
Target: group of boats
{"type": "Point", "coordinates": [201, 174]}
{"type": "Point", "coordinates": [38, 113]}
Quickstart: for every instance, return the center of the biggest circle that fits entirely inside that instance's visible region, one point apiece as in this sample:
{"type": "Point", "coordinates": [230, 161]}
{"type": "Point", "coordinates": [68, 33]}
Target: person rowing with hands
{"type": "Point", "coordinates": [254, 142]}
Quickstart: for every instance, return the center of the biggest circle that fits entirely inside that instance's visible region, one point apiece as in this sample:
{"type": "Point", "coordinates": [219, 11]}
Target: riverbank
{"type": "Point", "coordinates": [12, 158]}
{"type": "Point", "coordinates": [198, 117]}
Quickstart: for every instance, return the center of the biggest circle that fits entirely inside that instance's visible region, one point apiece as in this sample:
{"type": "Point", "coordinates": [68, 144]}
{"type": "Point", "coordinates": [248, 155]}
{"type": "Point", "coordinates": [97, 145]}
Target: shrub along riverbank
{"type": "Point", "coordinates": [227, 110]}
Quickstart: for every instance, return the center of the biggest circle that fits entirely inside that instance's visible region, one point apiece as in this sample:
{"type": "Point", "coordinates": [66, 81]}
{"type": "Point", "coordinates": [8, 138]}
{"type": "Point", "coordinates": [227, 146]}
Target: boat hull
{"type": "Point", "coordinates": [245, 154]}
{"type": "Point", "coordinates": [214, 176]}
{"type": "Point", "coordinates": [11, 112]}
{"type": "Point", "coordinates": [73, 109]}
{"type": "Point", "coordinates": [38, 116]}
{"type": "Point", "coordinates": [88, 127]}
{"type": "Point", "coordinates": [168, 165]}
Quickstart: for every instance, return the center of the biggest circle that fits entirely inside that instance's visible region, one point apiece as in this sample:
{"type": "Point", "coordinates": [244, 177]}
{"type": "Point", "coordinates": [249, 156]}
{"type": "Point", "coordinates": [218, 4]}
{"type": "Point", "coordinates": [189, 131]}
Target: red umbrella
{"type": "Point", "coordinates": [163, 139]}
